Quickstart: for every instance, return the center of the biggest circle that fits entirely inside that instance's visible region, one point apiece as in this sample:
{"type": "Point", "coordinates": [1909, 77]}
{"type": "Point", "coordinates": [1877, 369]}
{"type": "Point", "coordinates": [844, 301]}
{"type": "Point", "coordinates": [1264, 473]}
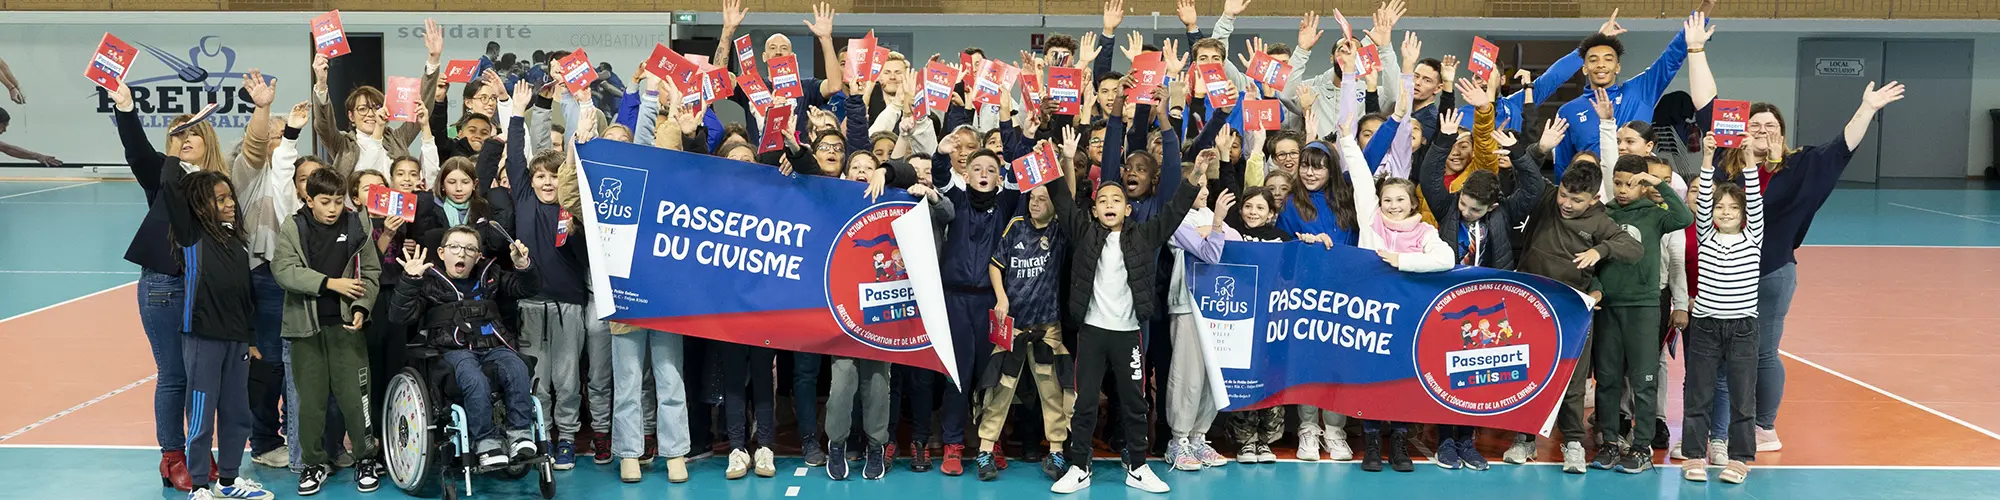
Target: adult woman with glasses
{"type": "Point", "coordinates": [371, 142]}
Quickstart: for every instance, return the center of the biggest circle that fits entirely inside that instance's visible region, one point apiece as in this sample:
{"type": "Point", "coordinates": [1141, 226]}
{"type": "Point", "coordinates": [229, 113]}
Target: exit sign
{"type": "Point", "coordinates": [684, 17]}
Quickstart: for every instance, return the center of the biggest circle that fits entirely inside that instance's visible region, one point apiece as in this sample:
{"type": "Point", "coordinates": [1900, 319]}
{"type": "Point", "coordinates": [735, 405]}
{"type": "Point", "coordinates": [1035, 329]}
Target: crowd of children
{"type": "Point", "coordinates": [297, 302]}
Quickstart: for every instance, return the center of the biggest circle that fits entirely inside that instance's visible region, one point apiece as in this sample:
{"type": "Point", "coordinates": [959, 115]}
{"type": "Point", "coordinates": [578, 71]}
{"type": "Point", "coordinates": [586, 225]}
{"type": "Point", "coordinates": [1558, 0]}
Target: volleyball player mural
{"type": "Point", "coordinates": [1338, 329]}
{"type": "Point", "coordinates": [732, 251]}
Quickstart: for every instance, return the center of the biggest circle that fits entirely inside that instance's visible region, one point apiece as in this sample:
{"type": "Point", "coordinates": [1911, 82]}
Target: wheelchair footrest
{"type": "Point", "coordinates": [496, 468]}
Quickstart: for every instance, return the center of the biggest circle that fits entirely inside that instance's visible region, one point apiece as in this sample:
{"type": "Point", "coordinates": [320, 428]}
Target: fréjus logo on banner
{"type": "Point", "coordinates": [734, 251]}
{"type": "Point", "coordinates": [1341, 330]}
{"type": "Point", "coordinates": [171, 84]}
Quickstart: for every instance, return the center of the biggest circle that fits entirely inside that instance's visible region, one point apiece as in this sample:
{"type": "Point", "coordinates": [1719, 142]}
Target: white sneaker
{"type": "Point", "coordinates": [1767, 440]}
{"type": "Point", "coordinates": [766, 465]}
{"type": "Point", "coordinates": [1308, 445]}
{"type": "Point", "coordinates": [1073, 481]}
{"type": "Point", "coordinates": [1521, 452]}
{"type": "Point", "coordinates": [739, 464]}
{"type": "Point", "coordinates": [1674, 451]}
{"type": "Point", "coordinates": [200, 494]}
{"type": "Point", "coordinates": [1207, 454]}
{"type": "Point", "coordinates": [1718, 452]}
{"type": "Point", "coordinates": [243, 488]}
{"type": "Point", "coordinates": [1142, 478]}
{"type": "Point", "coordinates": [1336, 448]}
{"type": "Point", "coordinates": [278, 458]}
{"type": "Point", "coordinates": [1573, 459]}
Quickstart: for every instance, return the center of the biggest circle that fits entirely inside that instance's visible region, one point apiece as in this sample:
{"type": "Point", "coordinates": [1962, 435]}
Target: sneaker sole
{"type": "Point", "coordinates": [1443, 465]}
{"type": "Point", "coordinates": [565, 467]}
{"type": "Point", "coordinates": [1637, 470]}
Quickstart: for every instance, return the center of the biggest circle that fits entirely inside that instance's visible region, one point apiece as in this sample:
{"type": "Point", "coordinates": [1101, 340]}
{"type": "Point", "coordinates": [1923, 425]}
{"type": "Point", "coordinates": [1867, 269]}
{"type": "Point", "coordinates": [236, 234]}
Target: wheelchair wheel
{"type": "Point", "coordinates": [548, 480]}
{"type": "Point", "coordinates": [408, 442]}
{"type": "Point", "coordinates": [514, 472]}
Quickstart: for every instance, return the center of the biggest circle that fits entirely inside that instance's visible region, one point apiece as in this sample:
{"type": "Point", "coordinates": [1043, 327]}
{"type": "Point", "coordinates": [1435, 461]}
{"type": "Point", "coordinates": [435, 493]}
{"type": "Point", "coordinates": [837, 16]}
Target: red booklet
{"type": "Point", "coordinates": [1485, 57]}
{"type": "Point", "coordinates": [577, 73]}
{"type": "Point", "coordinates": [755, 89]}
{"type": "Point", "coordinates": [676, 69]}
{"type": "Point", "coordinates": [938, 81]}
{"type": "Point", "coordinates": [1346, 29]}
{"type": "Point", "coordinates": [1037, 168]}
{"type": "Point", "coordinates": [460, 70]}
{"type": "Point", "coordinates": [1216, 85]}
{"type": "Point", "coordinates": [111, 62]}
{"type": "Point", "coordinates": [1148, 72]}
{"type": "Point", "coordinates": [1270, 71]}
{"type": "Point", "coordinates": [785, 77]}
{"type": "Point", "coordinates": [994, 78]}
{"type": "Point", "coordinates": [1730, 123]}
{"type": "Point", "coordinates": [715, 84]}
{"type": "Point", "coordinates": [386, 202]}
{"type": "Point", "coordinates": [777, 125]}
{"type": "Point", "coordinates": [1002, 334]}
{"type": "Point", "coordinates": [965, 69]}
{"type": "Point", "coordinates": [876, 58]}
{"type": "Point", "coordinates": [328, 37]}
{"type": "Point", "coordinates": [1031, 89]}
{"type": "Point", "coordinates": [858, 51]}
{"type": "Point", "coordinates": [744, 56]}
{"type": "Point", "coordinates": [1261, 114]}
{"type": "Point", "coordinates": [1370, 60]}
{"type": "Point", "coordinates": [1066, 87]}
{"type": "Point", "coordinates": [402, 94]}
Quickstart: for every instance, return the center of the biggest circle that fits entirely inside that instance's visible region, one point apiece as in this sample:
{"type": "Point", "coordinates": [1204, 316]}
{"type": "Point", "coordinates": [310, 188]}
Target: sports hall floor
{"type": "Point", "coordinates": [1890, 354]}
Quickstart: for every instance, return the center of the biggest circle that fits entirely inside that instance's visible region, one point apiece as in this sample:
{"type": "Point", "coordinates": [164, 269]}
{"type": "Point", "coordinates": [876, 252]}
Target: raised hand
{"type": "Point", "coordinates": [1552, 134]}
{"type": "Point", "coordinates": [1601, 103]}
{"type": "Point", "coordinates": [121, 96]}
{"type": "Point", "coordinates": [1222, 204]}
{"type": "Point", "coordinates": [1386, 18]}
{"type": "Point", "coordinates": [433, 40]}
{"type": "Point", "coordinates": [1505, 137]}
{"type": "Point", "coordinates": [1611, 26]}
{"type": "Point", "coordinates": [1135, 44]}
{"type": "Point", "coordinates": [1086, 51]}
{"type": "Point", "coordinates": [523, 92]}
{"type": "Point", "coordinates": [1309, 31]}
{"type": "Point", "coordinates": [1185, 10]}
{"type": "Point", "coordinates": [1448, 122]}
{"type": "Point", "coordinates": [1235, 7]}
{"type": "Point", "coordinates": [1697, 30]}
{"type": "Point", "coordinates": [1707, 150]}
{"type": "Point", "coordinates": [492, 79]}
{"type": "Point", "coordinates": [1474, 94]}
{"type": "Point", "coordinates": [1170, 54]}
{"type": "Point", "coordinates": [518, 252]}
{"type": "Point", "coordinates": [415, 262]}
{"type": "Point", "coordinates": [733, 14]}
{"type": "Point", "coordinates": [1874, 98]}
{"type": "Point", "coordinates": [1344, 51]}
{"type": "Point", "coordinates": [1070, 140]}
{"type": "Point", "coordinates": [1450, 65]}
{"type": "Point", "coordinates": [300, 113]}
{"type": "Point", "coordinates": [260, 92]}
{"type": "Point", "coordinates": [319, 71]}
{"type": "Point", "coordinates": [822, 21]}
{"type": "Point", "coordinates": [1114, 14]}
{"type": "Point", "coordinates": [1413, 48]}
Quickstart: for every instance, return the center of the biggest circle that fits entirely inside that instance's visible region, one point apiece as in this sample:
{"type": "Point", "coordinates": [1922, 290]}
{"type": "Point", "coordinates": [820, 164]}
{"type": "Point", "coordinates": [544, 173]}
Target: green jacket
{"type": "Point", "coordinates": [303, 285]}
{"type": "Point", "coordinates": [1630, 283]}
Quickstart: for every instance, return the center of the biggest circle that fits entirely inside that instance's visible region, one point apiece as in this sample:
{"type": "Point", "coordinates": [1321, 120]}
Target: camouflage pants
{"type": "Point", "coordinates": [1257, 426]}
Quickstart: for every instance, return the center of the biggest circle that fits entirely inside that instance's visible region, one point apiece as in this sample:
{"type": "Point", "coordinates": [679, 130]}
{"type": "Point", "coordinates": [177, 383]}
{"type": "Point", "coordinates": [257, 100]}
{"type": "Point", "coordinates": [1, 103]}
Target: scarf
{"type": "Point", "coordinates": [982, 201]}
{"type": "Point", "coordinates": [454, 213]}
{"type": "Point", "coordinates": [1406, 236]}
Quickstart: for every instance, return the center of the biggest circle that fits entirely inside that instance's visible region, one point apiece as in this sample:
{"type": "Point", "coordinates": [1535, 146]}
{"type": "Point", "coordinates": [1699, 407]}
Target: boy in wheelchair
{"type": "Point", "coordinates": [458, 310]}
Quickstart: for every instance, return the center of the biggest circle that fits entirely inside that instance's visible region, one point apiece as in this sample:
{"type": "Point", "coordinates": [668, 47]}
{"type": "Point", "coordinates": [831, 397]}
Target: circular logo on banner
{"type": "Point", "coordinates": [1487, 347]}
{"type": "Point", "coordinates": [868, 286]}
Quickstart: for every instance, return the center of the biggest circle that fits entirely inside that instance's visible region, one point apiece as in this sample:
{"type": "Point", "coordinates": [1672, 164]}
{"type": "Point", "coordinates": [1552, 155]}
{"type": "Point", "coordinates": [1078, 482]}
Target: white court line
{"type": "Point", "coordinates": [1961, 216]}
{"type": "Point", "coordinates": [792, 491]}
{"type": "Point", "coordinates": [39, 191]}
{"type": "Point", "coordinates": [66, 302]}
{"type": "Point", "coordinates": [79, 406]}
{"type": "Point", "coordinates": [19, 271]}
{"type": "Point", "coordinates": [1892, 395]}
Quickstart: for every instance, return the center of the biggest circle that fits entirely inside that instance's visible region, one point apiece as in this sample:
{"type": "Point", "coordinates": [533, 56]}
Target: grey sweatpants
{"type": "Point", "coordinates": [867, 381]}
{"type": "Point", "coordinates": [558, 335]}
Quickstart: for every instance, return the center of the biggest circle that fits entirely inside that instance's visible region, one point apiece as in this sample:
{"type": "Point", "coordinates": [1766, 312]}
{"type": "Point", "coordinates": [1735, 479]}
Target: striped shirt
{"type": "Point", "coordinates": [1728, 263]}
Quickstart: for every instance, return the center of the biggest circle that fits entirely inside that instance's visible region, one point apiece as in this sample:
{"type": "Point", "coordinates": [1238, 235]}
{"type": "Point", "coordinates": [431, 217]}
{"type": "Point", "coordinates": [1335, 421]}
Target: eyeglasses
{"type": "Point", "coordinates": [486, 98]}
{"type": "Point", "coordinates": [366, 107]}
{"type": "Point", "coordinates": [459, 249]}
{"type": "Point", "coordinates": [828, 148]}
{"type": "Point", "coordinates": [1287, 154]}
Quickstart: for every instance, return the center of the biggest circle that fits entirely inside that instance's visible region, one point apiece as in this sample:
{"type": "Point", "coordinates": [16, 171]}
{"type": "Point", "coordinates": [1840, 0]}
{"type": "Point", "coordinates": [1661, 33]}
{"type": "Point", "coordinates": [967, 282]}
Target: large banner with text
{"type": "Point", "coordinates": [1341, 330]}
{"type": "Point", "coordinates": [733, 251]}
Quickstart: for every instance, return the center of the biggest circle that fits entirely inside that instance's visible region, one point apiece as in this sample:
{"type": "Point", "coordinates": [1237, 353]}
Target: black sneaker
{"type": "Point", "coordinates": [368, 475]}
{"type": "Point", "coordinates": [1636, 460]}
{"type": "Point", "coordinates": [877, 464]}
{"type": "Point", "coordinates": [836, 466]}
{"type": "Point", "coordinates": [524, 450]}
{"type": "Point", "coordinates": [988, 468]}
{"type": "Point", "coordinates": [311, 478]}
{"type": "Point", "coordinates": [1608, 455]}
{"type": "Point", "coordinates": [1399, 452]}
{"type": "Point", "coordinates": [1371, 451]}
{"type": "Point", "coordinates": [815, 456]}
{"type": "Point", "coordinates": [1054, 466]}
{"type": "Point", "coordinates": [1661, 434]}
{"type": "Point", "coordinates": [920, 457]}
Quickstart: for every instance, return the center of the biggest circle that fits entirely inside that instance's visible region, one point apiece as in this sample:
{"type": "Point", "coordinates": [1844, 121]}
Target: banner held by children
{"type": "Point", "coordinates": [1339, 329]}
{"type": "Point", "coordinates": [811, 263]}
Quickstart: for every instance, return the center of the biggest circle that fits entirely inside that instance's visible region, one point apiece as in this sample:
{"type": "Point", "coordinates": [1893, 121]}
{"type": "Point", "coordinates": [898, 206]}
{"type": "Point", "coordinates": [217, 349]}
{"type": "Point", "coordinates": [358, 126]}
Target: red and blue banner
{"type": "Point", "coordinates": [1341, 330]}
{"type": "Point", "coordinates": [732, 251]}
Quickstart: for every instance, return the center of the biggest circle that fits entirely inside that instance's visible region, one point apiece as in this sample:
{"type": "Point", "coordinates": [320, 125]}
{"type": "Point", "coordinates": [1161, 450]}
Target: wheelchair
{"type": "Point", "coordinates": [425, 442]}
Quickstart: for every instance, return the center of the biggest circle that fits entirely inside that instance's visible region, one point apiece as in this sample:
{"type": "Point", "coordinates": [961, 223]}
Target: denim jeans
{"type": "Point", "coordinates": [467, 367]}
{"type": "Point", "coordinates": [161, 301]}
{"type": "Point", "coordinates": [632, 356]}
{"type": "Point", "coordinates": [267, 375]}
{"type": "Point", "coordinates": [1716, 347]}
{"type": "Point", "coordinates": [1774, 300]}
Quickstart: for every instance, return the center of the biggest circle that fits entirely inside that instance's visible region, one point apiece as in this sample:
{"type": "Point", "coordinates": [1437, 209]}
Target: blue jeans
{"type": "Point", "coordinates": [514, 383]}
{"type": "Point", "coordinates": [633, 356]}
{"type": "Point", "coordinates": [267, 375]}
{"type": "Point", "coordinates": [161, 302]}
{"type": "Point", "coordinates": [1774, 301]}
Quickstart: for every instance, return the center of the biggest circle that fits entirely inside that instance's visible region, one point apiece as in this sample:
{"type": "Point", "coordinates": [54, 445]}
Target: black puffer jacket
{"type": "Point", "coordinates": [455, 318]}
{"type": "Point", "coordinates": [1141, 244]}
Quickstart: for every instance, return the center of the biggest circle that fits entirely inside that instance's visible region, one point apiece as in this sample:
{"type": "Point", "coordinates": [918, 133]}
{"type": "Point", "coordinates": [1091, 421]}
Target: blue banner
{"type": "Point", "coordinates": [1341, 330]}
